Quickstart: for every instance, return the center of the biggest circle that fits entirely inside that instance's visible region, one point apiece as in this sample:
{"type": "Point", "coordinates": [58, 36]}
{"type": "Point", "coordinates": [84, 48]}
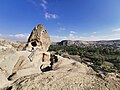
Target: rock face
{"type": "Point", "coordinates": [34, 58]}
{"type": "Point", "coordinates": [39, 38]}
{"type": "Point", "coordinates": [67, 75]}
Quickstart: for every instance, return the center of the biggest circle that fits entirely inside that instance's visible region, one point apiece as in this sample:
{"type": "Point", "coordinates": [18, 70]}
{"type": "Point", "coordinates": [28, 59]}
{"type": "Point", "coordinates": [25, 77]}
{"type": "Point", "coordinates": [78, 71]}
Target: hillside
{"type": "Point", "coordinates": [66, 74]}
{"type": "Point", "coordinates": [30, 66]}
{"type": "Point", "coordinates": [114, 43]}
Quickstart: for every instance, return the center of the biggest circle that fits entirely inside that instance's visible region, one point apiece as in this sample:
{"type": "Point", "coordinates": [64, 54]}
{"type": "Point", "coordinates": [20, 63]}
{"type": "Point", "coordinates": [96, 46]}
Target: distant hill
{"type": "Point", "coordinates": [115, 43]}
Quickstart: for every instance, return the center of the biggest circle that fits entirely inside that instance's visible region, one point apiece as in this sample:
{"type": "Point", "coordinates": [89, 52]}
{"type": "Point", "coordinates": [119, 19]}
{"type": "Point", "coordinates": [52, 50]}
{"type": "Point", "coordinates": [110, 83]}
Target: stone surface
{"type": "Point", "coordinates": [39, 38]}
{"type": "Point", "coordinates": [22, 63]}
{"type": "Point", "coordinates": [68, 75]}
{"type": "Point", "coordinates": [15, 63]}
{"type": "Point", "coordinates": [26, 70]}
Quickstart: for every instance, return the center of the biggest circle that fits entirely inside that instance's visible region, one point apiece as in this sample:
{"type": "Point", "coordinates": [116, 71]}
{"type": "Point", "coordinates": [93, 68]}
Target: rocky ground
{"type": "Point", "coordinates": [30, 67]}
{"type": "Point", "coordinates": [67, 74]}
{"type": "Point", "coordinates": [16, 45]}
{"type": "Point", "coordinates": [70, 76]}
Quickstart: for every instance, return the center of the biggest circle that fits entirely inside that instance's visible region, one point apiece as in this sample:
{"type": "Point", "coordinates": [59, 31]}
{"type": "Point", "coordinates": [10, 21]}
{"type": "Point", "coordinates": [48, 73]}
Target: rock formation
{"type": "Point", "coordinates": [23, 70]}
{"type": "Point", "coordinates": [32, 60]}
{"type": "Point", "coordinates": [39, 38]}
{"type": "Point", "coordinates": [67, 75]}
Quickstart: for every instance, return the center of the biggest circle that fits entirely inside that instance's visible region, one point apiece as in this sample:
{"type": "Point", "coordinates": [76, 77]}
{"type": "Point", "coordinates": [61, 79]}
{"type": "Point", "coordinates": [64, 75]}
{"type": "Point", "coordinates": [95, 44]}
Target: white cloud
{"type": "Point", "coordinates": [94, 32]}
{"type": "Point", "coordinates": [44, 1]}
{"type": "Point", "coordinates": [44, 6]}
{"type": "Point", "coordinates": [71, 36]}
{"type": "Point", "coordinates": [50, 16]}
{"type": "Point", "coordinates": [47, 14]}
{"type": "Point", "coordinates": [116, 30]}
{"type": "Point", "coordinates": [72, 32]}
{"type": "Point", "coordinates": [57, 38]}
{"type": "Point", "coordinates": [22, 37]}
{"type": "Point", "coordinates": [61, 29]}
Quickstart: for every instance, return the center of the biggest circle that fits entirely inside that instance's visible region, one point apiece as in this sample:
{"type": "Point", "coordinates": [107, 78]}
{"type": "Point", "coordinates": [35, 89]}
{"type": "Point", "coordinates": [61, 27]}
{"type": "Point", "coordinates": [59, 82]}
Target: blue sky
{"type": "Point", "coordinates": [63, 19]}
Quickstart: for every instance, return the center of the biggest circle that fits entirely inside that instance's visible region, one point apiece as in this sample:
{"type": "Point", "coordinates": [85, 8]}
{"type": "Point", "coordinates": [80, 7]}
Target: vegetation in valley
{"type": "Point", "coordinates": [105, 59]}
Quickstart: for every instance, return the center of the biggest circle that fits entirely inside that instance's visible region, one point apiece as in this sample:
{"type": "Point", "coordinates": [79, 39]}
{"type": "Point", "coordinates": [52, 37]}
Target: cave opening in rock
{"type": "Point", "coordinates": [34, 44]}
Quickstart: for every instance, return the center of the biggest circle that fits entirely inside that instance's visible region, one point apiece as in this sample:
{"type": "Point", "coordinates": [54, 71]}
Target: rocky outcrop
{"type": "Point", "coordinates": [34, 58]}
{"type": "Point", "coordinates": [39, 38]}
{"type": "Point", "coordinates": [67, 74]}
{"type": "Point", "coordinates": [26, 70]}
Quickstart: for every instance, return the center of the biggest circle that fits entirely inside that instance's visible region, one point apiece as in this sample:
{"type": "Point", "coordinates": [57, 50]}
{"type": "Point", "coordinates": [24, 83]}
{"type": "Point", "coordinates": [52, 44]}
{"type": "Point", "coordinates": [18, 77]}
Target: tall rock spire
{"type": "Point", "coordinates": [39, 38]}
